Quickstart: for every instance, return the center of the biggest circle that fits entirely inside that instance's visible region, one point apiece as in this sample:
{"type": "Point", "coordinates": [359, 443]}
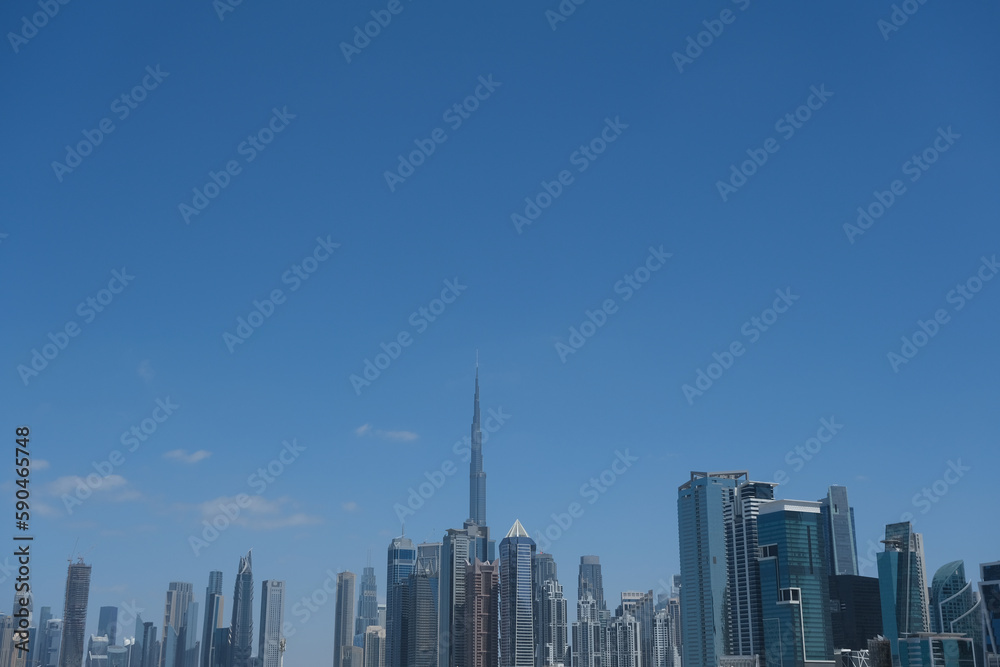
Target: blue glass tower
{"type": "Point", "coordinates": [517, 646]}
{"type": "Point", "coordinates": [402, 558]}
{"type": "Point", "coordinates": [241, 627]}
{"type": "Point", "coordinates": [989, 593]}
{"type": "Point", "coordinates": [841, 537]}
{"type": "Point", "coordinates": [701, 524]}
{"type": "Point", "coordinates": [954, 607]}
{"type": "Point", "coordinates": [795, 594]}
{"type": "Point", "coordinates": [902, 584]}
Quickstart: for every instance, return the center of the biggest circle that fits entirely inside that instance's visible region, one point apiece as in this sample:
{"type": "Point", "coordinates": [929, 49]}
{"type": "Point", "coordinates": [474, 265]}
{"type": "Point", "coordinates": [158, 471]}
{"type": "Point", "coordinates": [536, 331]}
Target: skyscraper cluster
{"type": "Point", "coordinates": [763, 582]}
{"type": "Point", "coordinates": [61, 642]}
{"type": "Point", "coordinates": [775, 583]}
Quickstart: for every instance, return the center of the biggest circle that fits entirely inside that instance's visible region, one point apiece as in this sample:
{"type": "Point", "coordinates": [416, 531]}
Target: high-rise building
{"type": "Point", "coordinates": [623, 642]}
{"type": "Point", "coordinates": [477, 475]}
{"type": "Point", "coordinates": [459, 547]}
{"type": "Point", "coordinates": [107, 624]}
{"type": "Point", "coordinates": [855, 611]}
{"type": "Point", "coordinates": [272, 618]}
{"type": "Point", "coordinates": [97, 651]}
{"type": "Point", "coordinates": [343, 624]}
{"type": "Point", "coordinates": [666, 648]}
{"type": "Point", "coordinates": [39, 640]}
{"type": "Point", "coordinates": [517, 646]}
{"type": "Point", "coordinates": [795, 594]}
{"type": "Point", "coordinates": [701, 524]}
{"type": "Point", "coordinates": [989, 593]}
{"type": "Point", "coordinates": [740, 509]}
{"type": "Point", "coordinates": [954, 607]}
{"type": "Point", "coordinates": [240, 645]}
{"type": "Point", "coordinates": [402, 557]}
{"type": "Point", "coordinates": [902, 585]}
{"type": "Point", "coordinates": [587, 640]}
{"type": "Point", "coordinates": [374, 648]}
{"type": "Point", "coordinates": [841, 537]}
{"type": "Point", "coordinates": [590, 581]}
{"type": "Point", "coordinates": [51, 650]}
{"type": "Point", "coordinates": [551, 629]}
{"type": "Point", "coordinates": [74, 618]}
{"type": "Point", "coordinates": [117, 656]}
{"type": "Point", "coordinates": [211, 650]}
{"type": "Point", "coordinates": [928, 649]}
{"type": "Point", "coordinates": [481, 614]}
{"type": "Point", "coordinates": [367, 605]}
{"type": "Point", "coordinates": [176, 625]}
{"type": "Point", "coordinates": [422, 614]}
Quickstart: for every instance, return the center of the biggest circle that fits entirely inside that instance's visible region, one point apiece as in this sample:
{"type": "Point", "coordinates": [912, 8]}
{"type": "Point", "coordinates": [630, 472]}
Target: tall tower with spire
{"type": "Point", "coordinates": [477, 476]}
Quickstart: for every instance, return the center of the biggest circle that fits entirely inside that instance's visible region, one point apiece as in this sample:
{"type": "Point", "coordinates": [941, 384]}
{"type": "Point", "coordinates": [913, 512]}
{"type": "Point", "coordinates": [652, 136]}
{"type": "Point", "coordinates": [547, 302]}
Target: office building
{"type": "Point", "coordinates": [841, 537]}
{"type": "Point", "coordinates": [74, 620]}
{"type": "Point", "coordinates": [240, 645]}
{"type": "Point", "coordinates": [517, 646]}
{"type": "Point", "coordinates": [855, 611]}
{"type": "Point", "coordinates": [482, 614]}
{"type": "Point", "coordinates": [902, 585]}
{"type": "Point", "coordinates": [212, 649]}
{"type": "Point", "coordinates": [402, 557]}
{"type": "Point", "coordinates": [343, 624]}
{"type": "Point", "coordinates": [272, 618]}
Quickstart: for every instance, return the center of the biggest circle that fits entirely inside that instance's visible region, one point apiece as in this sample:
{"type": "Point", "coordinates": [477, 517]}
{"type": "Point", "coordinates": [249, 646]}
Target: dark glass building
{"type": "Point", "coordinates": [517, 646]}
{"type": "Point", "coordinates": [855, 611]}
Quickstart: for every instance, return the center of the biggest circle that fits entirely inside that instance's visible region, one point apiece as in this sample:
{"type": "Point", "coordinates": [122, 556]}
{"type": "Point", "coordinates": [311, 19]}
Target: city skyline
{"type": "Point", "coordinates": [259, 257]}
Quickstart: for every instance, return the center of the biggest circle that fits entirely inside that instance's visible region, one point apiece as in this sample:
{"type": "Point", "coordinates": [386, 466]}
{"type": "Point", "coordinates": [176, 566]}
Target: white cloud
{"type": "Point", "coordinates": [363, 429]}
{"type": "Point", "coordinates": [40, 464]}
{"type": "Point", "coordinates": [258, 513]}
{"type": "Point", "coordinates": [396, 436]}
{"type": "Point", "coordinates": [350, 506]}
{"type": "Point", "coordinates": [183, 456]}
{"type": "Point", "coordinates": [70, 483]}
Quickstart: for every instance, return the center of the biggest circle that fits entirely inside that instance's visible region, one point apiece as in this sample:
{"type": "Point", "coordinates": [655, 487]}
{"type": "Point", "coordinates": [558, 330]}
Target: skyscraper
{"type": "Point", "coordinates": [795, 594]}
{"type": "Point", "coordinates": [343, 623]}
{"type": "Point", "coordinates": [590, 580]}
{"type": "Point", "coordinates": [402, 557]}
{"type": "Point", "coordinates": [740, 509]}
{"type": "Point", "coordinates": [74, 620]}
{"type": "Point", "coordinates": [902, 584]}
{"type": "Point", "coordinates": [272, 618]}
{"type": "Point", "coordinates": [841, 539]}
{"type": "Point", "coordinates": [211, 651]}
{"type": "Point", "coordinates": [516, 622]}
{"type": "Point", "coordinates": [367, 605]}
{"type": "Point", "coordinates": [241, 626]}
{"type": "Point", "coordinates": [422, 614]}
{"type": "Point", "coordinates": [989, 592]}
{"type": "Point", "coordinates": [481, 609]}
{"type": "Point", "coordinates": [855, 611]}
{"type": "Point", "coordinates": [587, 640]}
{"type": "Point", "coordinates": [701, 523]}
{"type": "Point", "coordinates": [477, 476]}
{"type": "Point", "coordinates": [954, 607]}
{"type": "Point", "coordinates": [623, 642]}
{"type": "Point", "coordinates": [107, 624]}
{"type": "Point", "coordinates": [550, 613]}
{"type": "Point", "coordinates": [374, 646]}
{"type": "Point", "coordinates": [666, 649]}
{"type": "Point", "coordinates": [180, 596]}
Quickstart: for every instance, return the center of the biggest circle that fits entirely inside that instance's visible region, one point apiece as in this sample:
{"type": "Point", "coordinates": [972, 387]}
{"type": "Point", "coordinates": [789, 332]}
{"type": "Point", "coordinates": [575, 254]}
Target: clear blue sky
{"type": "Point", "coordinates": [655, 185]}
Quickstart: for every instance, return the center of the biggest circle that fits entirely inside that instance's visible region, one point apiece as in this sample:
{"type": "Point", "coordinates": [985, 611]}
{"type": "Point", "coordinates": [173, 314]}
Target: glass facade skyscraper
{"type": "Point", "coordinates": [855, 611]}
{"type": "Point", "coordinates": [343, 620]}
{"type": "Point", "coordinates": [422, 615]}
{"type": "Point", "coordinates": [743, 629]}
{"type": "Point", "coordinates": [591, 581]}
{"type": "Point", "coordinates": [841, 538]}
{"type": "Point", "coordinates": [588, 642]}
{"type": "Point", "coordinates": [477, 475]}
{"type": "Point", "coordinates": [954, 607]}
{"type": "Point", "coordinates": [517, 646]}
{"type": "Point", "coordinates": [989, 593]}
{"type": "Point", "coordinates": [74, 620]}
{"type": "Point", "coordinates": [211, 650]}
{"type": "Point", "coordinates": [701, 522]}
{"type": "Point", "coordinates": [795, 594]}
{"type": "Point", "coordinates": [240, 646]}
{"type": "Point", "coordinates": [482, 609]}
{"type": "Point", "coordinates": [402, 557]}
{"type": "Point", "coordinates": [902, 584]}
{"type": "Point", "coordinates": [367, 604]}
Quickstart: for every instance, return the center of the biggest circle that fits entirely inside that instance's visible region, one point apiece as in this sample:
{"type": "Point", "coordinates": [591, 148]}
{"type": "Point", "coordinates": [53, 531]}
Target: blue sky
{"type": "Point", "coordinates": [655, 186]}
